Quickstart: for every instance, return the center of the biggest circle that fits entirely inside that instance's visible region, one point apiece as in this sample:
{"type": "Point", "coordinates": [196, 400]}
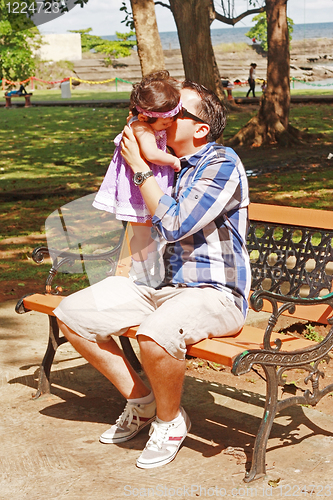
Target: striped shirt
{"type": "Point", "coordinates": [205, 224]}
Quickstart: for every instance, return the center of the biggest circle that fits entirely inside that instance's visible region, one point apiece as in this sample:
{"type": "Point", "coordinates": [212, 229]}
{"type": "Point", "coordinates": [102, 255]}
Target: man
{"type": "Point", "coordinates": [206, 284]}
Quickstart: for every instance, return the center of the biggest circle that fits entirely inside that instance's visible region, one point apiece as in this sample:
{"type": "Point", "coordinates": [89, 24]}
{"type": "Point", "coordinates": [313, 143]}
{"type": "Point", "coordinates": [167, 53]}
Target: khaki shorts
{"type": "Point", "coordinates": [172, 317]}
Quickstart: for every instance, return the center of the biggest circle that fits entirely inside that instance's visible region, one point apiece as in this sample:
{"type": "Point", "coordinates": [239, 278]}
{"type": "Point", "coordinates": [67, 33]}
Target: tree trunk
{"type": "Point", "coordinates": [271, 125]}
{"type": "Point", "coordinates": [148, 39]}
{"type": "Point", "coordinates": [277, 100]}
{"type": "Point", "coordinates": [192, 18]}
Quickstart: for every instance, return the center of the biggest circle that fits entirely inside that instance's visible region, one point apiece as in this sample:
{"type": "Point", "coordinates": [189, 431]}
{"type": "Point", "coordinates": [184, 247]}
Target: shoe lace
{"type": "Point", "coordinates": [158, 434]}
{"type": "Point", "coordinates": [128, 414]}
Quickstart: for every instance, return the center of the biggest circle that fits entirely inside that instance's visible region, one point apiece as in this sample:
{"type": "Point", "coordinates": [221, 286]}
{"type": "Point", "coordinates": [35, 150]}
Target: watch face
{"type": "Point", "coordinates": [140, 177]}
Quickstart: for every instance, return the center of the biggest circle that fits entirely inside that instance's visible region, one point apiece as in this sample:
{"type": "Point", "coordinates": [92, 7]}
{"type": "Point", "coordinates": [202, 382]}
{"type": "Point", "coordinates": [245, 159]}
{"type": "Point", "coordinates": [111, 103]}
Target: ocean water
{"type": "Point", "coordinates": [170, 40]}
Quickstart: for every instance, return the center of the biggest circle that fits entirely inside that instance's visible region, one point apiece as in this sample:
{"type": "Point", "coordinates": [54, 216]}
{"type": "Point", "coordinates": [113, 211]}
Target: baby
{"type": "Point", "coordinates": [155, 103]}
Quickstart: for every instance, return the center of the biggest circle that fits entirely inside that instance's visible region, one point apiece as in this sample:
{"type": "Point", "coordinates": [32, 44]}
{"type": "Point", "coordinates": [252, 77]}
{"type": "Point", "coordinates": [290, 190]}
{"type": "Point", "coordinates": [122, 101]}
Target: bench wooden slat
{"type": "Point", "coordinates": [251, 337]}
{"type": "Point", "coordinates": [219, 353]}
{"type": "Point", "coordinates": [222, 350]}
{"type": "Point", "coordinates": [47, 303]}
{"type": "Point", "coordinates": [293, 216]}
{"type": "Point", "coordinates": [42, 303]}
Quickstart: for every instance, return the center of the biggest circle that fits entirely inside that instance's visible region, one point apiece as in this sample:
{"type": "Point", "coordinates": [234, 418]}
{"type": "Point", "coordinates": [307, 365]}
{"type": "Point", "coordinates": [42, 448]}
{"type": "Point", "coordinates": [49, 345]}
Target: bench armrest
{"type": "Point", "coordinates": [305, 357]}
{"type": "Point", "coordinates": [258, 297]}
{"type": "Point", "coordinates": [281, 304]}
{"type": "Point", "coordinates": [70, 258]}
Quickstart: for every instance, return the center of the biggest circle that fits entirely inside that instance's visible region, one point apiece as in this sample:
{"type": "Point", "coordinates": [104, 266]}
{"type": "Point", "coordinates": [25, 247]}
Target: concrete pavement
{"type": "Point", "coordinates": [50, 448]}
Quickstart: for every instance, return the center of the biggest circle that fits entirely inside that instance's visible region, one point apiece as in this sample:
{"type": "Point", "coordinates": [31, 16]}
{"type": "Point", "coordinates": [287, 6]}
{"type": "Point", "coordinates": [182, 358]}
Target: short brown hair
{"type": "Point", "coordinates": [210, 109]}
{"type": "Point", "coordinates": [156, 92]}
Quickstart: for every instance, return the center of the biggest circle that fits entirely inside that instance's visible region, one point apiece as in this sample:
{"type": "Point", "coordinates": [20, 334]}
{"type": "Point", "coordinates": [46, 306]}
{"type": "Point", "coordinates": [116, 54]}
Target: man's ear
{"type": "Point", "coordinates": [142, 117]}
{"type": "Point", "coordinates": [202, 130]}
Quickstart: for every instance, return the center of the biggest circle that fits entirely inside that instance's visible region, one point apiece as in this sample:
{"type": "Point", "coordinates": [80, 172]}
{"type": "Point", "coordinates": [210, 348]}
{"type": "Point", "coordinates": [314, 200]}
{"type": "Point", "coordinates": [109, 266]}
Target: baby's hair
{"type": "Point", "coordinates": [156, 92]}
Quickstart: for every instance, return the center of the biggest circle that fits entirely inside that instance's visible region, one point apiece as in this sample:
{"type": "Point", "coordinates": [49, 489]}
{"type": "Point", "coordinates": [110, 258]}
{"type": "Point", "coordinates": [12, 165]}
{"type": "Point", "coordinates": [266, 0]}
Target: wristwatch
{"type": "Point", "coordinates": [140, 177]}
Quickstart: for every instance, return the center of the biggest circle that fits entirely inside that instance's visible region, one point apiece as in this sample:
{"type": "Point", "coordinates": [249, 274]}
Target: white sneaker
{"type": "Point", "coordinates": [164, 443]}
{"type": "Point", "coordinates": [133, 419]}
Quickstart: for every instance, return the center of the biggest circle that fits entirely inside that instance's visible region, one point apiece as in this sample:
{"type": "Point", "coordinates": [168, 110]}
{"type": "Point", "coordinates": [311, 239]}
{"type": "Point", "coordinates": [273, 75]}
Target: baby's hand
{"type": "Point", "coordinates": [176, 165]}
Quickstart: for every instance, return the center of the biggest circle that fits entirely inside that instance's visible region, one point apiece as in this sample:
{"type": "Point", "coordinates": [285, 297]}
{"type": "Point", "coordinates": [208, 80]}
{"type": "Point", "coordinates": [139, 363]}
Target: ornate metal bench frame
{"type": "Point", "coordinates": [287, 262]}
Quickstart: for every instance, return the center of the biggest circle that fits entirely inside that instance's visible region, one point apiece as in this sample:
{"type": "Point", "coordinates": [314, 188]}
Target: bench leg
{"type": "Point", "coordinates": [8, 102]}
{"type": "Point", "coordinates": [129, 353]}
{"type": "Point", "coordinates": [258, 466]}
{"type": "Point", "coordinates": [27, 101]}
{"type": "Point", "coordinates": [44, 386]}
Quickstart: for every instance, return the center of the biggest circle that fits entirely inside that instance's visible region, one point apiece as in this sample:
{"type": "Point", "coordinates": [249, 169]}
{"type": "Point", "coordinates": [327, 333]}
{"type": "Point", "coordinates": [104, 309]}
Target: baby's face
{"type": "Point", "coordinates": [162, 123]}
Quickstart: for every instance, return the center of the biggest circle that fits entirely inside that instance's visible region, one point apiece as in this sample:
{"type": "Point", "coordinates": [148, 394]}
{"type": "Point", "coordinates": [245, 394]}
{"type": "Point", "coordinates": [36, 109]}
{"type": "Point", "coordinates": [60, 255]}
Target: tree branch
{"type": "Point", "coordinates": [163, 5]}
{"type": "Point", "coordinates": [234, 20]}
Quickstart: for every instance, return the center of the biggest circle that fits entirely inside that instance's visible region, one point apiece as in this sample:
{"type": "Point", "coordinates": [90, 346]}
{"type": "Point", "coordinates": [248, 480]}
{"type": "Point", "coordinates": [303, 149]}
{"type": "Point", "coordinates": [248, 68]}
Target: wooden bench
{"type": "Point", "coordinates": [27, 98]}
{"type": "Point", "coordinates": [291, 252]}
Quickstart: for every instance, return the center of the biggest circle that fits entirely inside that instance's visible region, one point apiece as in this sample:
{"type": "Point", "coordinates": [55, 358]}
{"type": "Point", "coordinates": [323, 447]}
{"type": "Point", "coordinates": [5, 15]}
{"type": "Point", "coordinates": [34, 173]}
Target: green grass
{"type": "Point", "coordinates": [78, 95]}
{"type": "Point", "coordinates": [311, 190]}
{"type": "Point", "coordinates": [316, 119]}
{"type": "Point", "coordinates": [98, 95]}
{"type": "Point", "coordinates": [59, 154]}
{"type": "Point", "coordinates": [51, 156]}
{"type": "Point", "coordinates": [52, 150]}
{"type": "Point", "coordinates": [312, 91]}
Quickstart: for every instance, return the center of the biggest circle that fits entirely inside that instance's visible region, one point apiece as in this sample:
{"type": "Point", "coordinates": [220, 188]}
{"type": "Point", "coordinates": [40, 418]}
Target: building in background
{"type": "Point", "coordinates": [66, 47]}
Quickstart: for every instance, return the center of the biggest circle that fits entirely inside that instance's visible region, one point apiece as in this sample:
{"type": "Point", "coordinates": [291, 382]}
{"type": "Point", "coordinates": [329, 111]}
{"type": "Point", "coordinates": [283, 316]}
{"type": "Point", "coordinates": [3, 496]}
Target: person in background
{"type": "Point", "coordinates": [251, 80]}
{"type": "Point", "coordinates": [264, 86]}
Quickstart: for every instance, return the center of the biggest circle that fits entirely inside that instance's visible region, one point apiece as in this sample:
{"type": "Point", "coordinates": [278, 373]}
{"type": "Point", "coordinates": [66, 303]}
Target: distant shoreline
{"type": "Point", "coordinates": [235, 34]}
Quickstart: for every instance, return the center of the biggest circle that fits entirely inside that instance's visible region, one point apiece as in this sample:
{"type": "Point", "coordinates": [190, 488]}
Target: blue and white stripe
{"type": "Point", "coordinates": [205, 224]}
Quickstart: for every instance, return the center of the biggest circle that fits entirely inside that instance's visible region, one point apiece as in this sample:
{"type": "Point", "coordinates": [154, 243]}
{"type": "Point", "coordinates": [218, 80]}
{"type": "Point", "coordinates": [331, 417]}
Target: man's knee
{"type": "Point", "coordinates": [151, 349]}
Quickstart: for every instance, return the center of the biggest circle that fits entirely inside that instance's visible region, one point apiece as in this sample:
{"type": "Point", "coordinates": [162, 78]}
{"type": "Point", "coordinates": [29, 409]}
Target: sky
{"type": "Point", "coordinates": [104, 16]}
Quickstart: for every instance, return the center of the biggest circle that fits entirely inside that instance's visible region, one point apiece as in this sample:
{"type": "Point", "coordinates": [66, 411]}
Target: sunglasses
{"type": "Point", "coordinates": [186, 114]}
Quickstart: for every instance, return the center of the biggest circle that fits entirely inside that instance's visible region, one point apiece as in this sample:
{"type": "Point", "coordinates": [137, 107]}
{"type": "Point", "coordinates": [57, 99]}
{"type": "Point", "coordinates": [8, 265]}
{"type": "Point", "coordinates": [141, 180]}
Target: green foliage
{"type": "Point", "coordinates": [113, 49]}
{"type": "Point", "coordinates": [311, 334]}
{"type": "Point", "coordinates": [88, 42]}
{"type": "Point", "coordinates": [259, 30]}
{"type": "Point", "coordinates": [17, 22]}
{"type": "Point", "coordinates": [16, 47]}
{"type": "Point", "coordinates": [129, 22]}
{"type": "Point", "coordinates": [116, 48]}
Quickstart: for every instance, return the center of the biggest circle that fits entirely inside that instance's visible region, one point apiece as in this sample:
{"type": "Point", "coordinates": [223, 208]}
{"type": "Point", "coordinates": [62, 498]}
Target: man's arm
{"type": "Point", "coordinates": [216, 191]}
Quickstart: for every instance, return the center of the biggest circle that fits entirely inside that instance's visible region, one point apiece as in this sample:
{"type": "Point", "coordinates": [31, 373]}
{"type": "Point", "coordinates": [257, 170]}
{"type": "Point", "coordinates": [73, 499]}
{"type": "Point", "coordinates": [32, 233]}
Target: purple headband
{"type": "Point", "coordinates": [158, 114]}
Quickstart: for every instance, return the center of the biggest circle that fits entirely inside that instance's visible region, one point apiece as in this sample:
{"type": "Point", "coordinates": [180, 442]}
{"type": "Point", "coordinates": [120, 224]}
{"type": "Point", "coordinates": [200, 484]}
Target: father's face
{"type": "Point", "coordinates": [181, 133]}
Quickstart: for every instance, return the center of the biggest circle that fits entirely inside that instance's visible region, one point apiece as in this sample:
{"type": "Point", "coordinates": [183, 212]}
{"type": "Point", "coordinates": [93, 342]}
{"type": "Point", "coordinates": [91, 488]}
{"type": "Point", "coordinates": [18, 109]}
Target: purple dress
{"type": "Point", "coordinates": [118, 193]}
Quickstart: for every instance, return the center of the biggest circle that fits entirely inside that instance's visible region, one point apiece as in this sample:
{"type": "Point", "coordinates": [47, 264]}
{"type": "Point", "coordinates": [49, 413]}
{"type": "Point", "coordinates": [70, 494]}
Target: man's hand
{"type": "Point", "coordinates": [150, 190]}
{"type": "Point", "coordinates": [130, 151]}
